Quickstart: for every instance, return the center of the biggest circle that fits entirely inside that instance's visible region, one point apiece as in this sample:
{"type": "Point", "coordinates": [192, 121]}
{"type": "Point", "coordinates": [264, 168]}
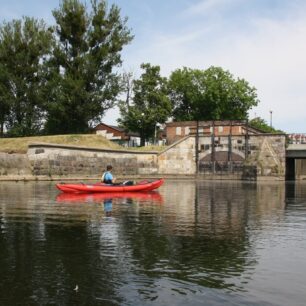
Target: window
{"type": "Point", "coordinates": [220, 129]}
{"type": "Point", "coordinates": [178, 130]}
{"type": "Point", "coordinates": [187, 130]}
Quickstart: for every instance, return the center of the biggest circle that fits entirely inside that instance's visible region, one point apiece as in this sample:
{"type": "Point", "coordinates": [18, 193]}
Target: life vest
{"type": "Point", "coordinates": [103, 180]}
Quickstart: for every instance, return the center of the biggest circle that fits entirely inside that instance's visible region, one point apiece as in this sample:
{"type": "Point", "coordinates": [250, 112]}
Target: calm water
{"type": "Point", "coordinates": [192, 243]}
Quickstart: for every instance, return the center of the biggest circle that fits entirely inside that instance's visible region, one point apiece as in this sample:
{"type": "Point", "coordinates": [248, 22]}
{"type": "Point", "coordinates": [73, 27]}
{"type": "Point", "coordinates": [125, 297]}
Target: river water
{"type": "Point", "coordinates": [190, 243]}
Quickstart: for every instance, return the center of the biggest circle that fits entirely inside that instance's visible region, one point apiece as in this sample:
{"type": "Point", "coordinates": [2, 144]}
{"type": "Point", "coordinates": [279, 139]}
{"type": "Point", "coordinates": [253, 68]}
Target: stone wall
{"type": "Point", "coordinates": [268, 153]}
{"type": "Point", "coordinates": [63, 161]}
{"type": "Point", "coordinates": [257, 156]}
{"type": "Point", "coordinates": [178, 159]}
{"type": "Point", "coordinates": [300, 169]}
{"type": "Point", "coordinates": [264, 159]}
{"type": "Point", "coordinates": [14, 165]}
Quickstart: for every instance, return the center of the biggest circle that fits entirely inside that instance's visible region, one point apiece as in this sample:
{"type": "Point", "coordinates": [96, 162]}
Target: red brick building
{"type": "Point", "coordinates": [178, 130]}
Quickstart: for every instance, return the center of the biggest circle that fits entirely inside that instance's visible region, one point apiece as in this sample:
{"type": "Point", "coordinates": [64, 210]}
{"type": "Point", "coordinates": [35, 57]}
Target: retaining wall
{"type": "Point", "coordinates": [49, 161]}
{"type": "Point", "coordinates": [15, 165]}
{"type": "Point", "coordinates": [70, 161]}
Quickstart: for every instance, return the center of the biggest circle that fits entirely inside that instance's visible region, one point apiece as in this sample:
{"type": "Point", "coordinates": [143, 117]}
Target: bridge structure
{"type": "Point", "coordinates": [296, 161]}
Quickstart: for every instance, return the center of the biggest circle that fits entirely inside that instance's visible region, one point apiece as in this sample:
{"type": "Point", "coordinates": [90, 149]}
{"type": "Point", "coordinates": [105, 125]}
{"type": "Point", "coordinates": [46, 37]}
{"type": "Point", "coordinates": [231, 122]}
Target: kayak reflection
{"type": "Point", "coordinates": [152, 196]}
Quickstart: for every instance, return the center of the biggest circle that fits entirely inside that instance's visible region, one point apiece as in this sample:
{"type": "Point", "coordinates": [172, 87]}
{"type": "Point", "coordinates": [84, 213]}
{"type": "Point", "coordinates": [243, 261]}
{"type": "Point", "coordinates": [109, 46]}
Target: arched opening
{"type": "Point", "coordinates": [221, 162]}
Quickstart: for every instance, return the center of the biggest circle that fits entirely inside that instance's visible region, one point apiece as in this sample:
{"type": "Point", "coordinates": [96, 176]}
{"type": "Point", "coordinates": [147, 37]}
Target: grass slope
{"type": "Point", "coordinates": [20, 144]}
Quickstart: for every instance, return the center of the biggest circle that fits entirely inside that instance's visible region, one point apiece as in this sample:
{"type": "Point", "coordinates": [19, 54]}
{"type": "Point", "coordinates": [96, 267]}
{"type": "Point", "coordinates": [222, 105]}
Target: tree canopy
{"type": "Point", "coordinates": [149, 105]}
{"type": "Point", "coordinates": [211, 94]}
{"type": "Point", "coordinates": [262, 125]}
{"type": "Point", "coordinates": [24, 45]}
{"type": "Point", "coordinates": [62, 79]}
{"type": "Point", "coordinates": [83, 83]}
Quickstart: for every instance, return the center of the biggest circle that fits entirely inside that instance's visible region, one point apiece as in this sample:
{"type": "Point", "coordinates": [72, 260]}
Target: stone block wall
{"type": "Point", "coordinates": [268, 153]}
{"type": "Point", "coordinates": [62, 161]}
{"type": "Point", "coordinates": [265, 159]}
{"type": "Point", "coordinates": [14, 165]}
{"type": "Point", "coordinates": [300, 169]}
{"type": "Point", "coordinates": [179, 158]}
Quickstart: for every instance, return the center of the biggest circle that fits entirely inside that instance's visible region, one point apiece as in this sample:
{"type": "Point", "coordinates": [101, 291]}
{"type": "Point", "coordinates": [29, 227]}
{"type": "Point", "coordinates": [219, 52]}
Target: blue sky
{"type": "Point", "coordinates": [262, 41]}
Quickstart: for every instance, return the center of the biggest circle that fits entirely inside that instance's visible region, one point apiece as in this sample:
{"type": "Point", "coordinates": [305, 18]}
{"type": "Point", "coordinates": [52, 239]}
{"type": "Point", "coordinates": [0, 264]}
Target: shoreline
{"type": "Point", "coordinates": [40, 178]}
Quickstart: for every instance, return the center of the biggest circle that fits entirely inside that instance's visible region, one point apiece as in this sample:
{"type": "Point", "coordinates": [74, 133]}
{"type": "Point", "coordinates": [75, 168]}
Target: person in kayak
{"type": "Point", "coordinates": [107, 176]}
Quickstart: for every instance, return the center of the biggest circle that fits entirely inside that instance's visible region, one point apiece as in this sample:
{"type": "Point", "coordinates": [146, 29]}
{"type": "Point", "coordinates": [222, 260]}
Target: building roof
{"type": "Point", "coordinates": [204, 123]}
{"type": "Point", "coordinates": [210, 123]}
{"type": "Point", "coordinates": [117, 128]}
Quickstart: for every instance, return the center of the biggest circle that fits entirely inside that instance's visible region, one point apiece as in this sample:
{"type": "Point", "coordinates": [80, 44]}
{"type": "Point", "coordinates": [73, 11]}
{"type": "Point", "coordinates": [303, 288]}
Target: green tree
{"type": "Point", "coordinates": [211, 94]}
{"type": "Point", "coordinates": [24, 45]}
{"type": "Point", "coordinates": [261, 124]}
{"type": "Point", "coordinates": [83, 84]}
{"type": "Point", "coordinates": [149, 105]}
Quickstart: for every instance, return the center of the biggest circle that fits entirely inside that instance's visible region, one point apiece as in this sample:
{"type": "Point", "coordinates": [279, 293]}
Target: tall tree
{"type": "Point", "coordinates": [212, 94]}
{"type": "Point", "coordinates": [83, 83]}
{"type": "Point", "coordinates": [150, 104]}
{"type": "Point", "coordinates": [24, 45]}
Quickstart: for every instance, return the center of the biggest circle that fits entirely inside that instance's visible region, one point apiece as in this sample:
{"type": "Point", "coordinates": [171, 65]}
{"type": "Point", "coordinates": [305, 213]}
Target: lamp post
{"type": "Point", "coordinates": [142, 136]}
{"type": "Point", "coordinates": [270, 118]}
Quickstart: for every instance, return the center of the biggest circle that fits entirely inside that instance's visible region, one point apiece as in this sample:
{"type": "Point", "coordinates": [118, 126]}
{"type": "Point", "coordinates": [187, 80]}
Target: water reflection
{"type": "Point", "coordinates": [152, 196]}
{"type": "Point", "coordinates": [227, 241]}
{"type": "Point", "coordinates": [108, 206]}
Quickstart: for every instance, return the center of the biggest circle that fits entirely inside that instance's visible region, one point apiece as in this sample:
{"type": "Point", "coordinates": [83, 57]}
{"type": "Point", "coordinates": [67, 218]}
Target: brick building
{"type": "Point", "coordinates": [178, 130]}
{"type": "Point", "coordinates": [297, 138]}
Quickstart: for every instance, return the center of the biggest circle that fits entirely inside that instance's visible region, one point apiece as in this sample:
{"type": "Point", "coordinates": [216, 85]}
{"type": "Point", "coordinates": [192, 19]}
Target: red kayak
{"type": "Point", "coordinates": [100, 187]}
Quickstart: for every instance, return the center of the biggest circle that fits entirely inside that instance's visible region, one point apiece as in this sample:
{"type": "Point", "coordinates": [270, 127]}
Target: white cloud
{"type": "Point", "coordinates": [264, 45]}
{"type": "Point", "coordinates": [271, 57]}
{"type": "Point", "coordinates": [207, 6]}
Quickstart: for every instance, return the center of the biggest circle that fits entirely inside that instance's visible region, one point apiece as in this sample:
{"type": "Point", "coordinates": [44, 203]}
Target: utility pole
{"type": "Point", "coordinates": [270, 119]}
{"type": "Point", "coordinates": [197, 147]}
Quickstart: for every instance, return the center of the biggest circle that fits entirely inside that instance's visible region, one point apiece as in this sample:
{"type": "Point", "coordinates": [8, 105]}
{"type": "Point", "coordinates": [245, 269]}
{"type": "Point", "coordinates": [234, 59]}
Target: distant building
{"type": "Point", "coordinates": [178, 130]}
{"type": "Point", "coordinates": [296, 138]}
{"type": "Point", "coordinates": [118, 135]}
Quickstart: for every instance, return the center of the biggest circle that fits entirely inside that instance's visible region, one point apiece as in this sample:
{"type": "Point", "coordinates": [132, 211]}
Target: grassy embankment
{"type": "Point", "coordinates": [20, 144]}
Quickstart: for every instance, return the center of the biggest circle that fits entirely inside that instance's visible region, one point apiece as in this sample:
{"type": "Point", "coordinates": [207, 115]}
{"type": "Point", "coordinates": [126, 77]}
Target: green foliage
{"type": "Point", "coordinates": [261, 124]}
{"type": "Point", "coordinates": [212, 94]}
{"type": "Point", "coordinates": [24, 45]}
{"type": "Point", "coordinates": [82, 81]}
{"type": "Point", "coordinates": [150, 103]}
